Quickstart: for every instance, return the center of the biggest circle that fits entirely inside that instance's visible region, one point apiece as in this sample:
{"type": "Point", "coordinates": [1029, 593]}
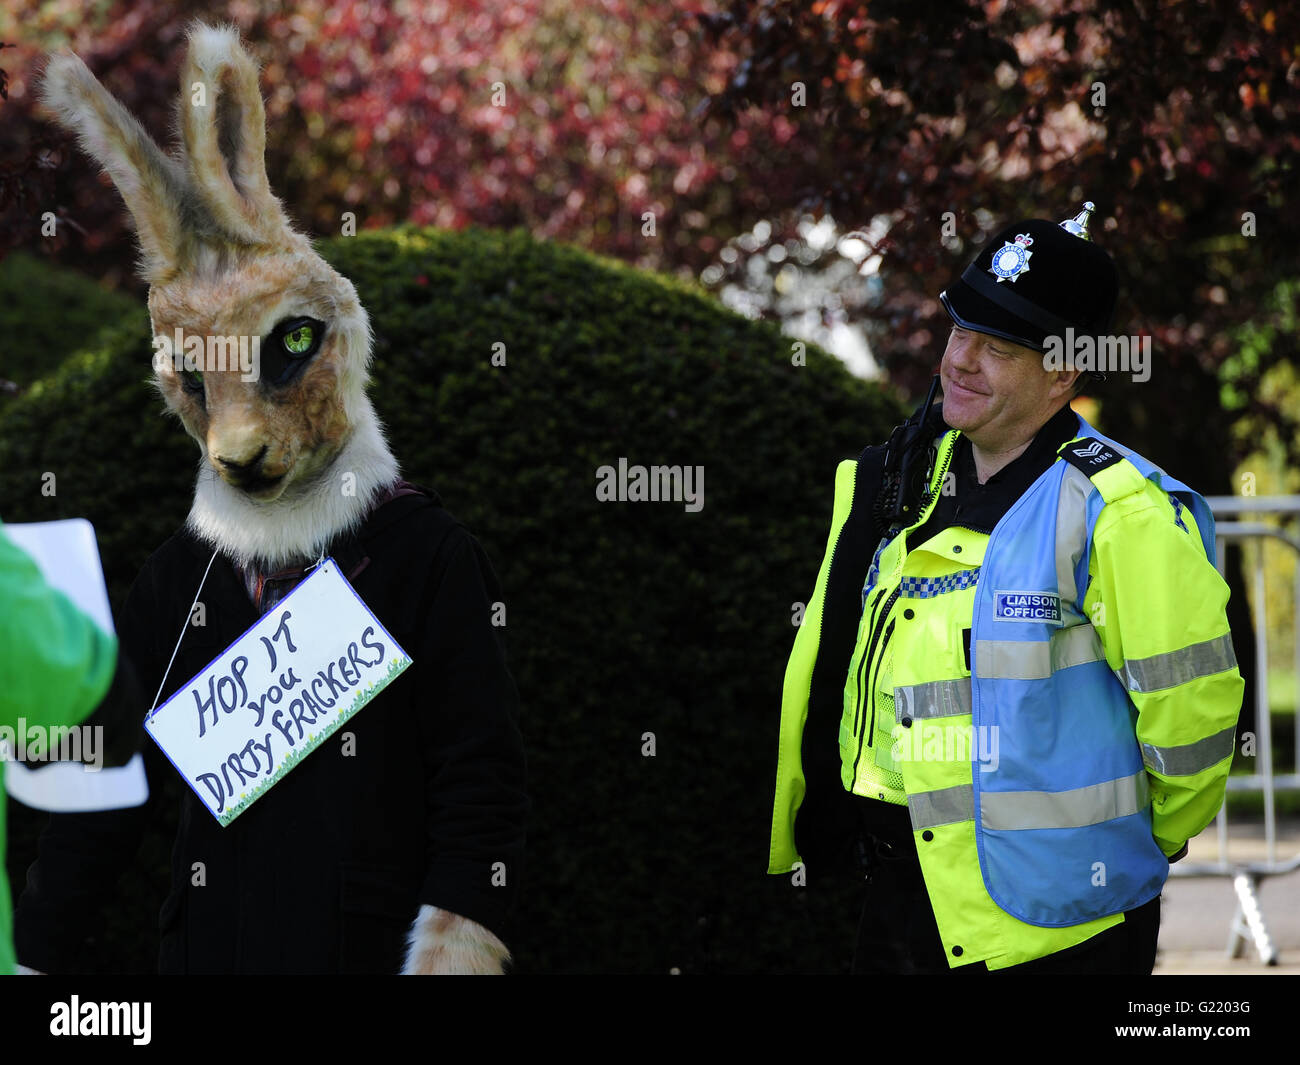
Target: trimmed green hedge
{"type": "Point", "coordinates": [46, 312]}
{"type": "Point", "coordinates": [623, 618]}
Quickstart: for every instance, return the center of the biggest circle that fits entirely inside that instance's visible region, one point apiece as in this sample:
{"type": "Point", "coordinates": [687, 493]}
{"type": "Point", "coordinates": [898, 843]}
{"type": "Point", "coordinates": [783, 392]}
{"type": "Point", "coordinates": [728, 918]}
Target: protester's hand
{"type": "Point", "coordinates": [444, 944]}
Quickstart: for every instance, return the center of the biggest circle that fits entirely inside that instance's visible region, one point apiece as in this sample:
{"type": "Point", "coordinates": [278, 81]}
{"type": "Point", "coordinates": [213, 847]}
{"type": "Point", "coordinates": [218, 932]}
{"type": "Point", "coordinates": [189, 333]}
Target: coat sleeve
{"type": "Point", "coordinates": [81, 856]}
{"type": "Point", "coordinates": [473, 750]}
{"type": "Point", "coordinates": [813, 817]}
{"type": "Point", "coordinates": [55, 663]}
{"type": "Point", "coordinates": [1159, 606]}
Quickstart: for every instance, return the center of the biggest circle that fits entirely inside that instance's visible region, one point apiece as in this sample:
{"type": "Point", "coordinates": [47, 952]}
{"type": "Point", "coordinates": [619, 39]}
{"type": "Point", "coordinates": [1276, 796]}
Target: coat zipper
{"type": "Point", "coordinates": [862, 665]}
{"type": "Point", "coordinates": [879, 617]}
{"type": "Point", "coordinates": [871, 685]}
{"type": "Point", "coordinates": [878, 622]}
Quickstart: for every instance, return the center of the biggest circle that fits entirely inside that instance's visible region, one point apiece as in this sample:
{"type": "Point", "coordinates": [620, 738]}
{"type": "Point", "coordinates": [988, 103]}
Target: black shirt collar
{"type": "Point", "coordinates": [981, 506]}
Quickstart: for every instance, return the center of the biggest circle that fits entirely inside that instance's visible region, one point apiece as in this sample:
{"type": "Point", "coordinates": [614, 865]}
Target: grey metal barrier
{"type": "Point", "coordinates": [1248, 922]}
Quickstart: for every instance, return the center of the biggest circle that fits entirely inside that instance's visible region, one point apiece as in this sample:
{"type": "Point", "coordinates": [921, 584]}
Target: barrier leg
{"type": "Point", "coordinates": [1248, 921]}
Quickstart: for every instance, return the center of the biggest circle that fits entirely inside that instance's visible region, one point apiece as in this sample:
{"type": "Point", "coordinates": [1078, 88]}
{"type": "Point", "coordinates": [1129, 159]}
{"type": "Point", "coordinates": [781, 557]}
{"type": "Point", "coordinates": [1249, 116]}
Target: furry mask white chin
{"type": "Point", "coordinates": [299, 525]}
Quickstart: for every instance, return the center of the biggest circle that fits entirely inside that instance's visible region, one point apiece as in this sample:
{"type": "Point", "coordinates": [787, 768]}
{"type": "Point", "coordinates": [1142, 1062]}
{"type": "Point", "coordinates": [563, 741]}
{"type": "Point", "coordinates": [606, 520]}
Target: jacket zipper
{"type": "Point", "coordinates": [878, 621]}
{"type": "Point", "coordinates": [879, 617]}
{"type": "Point", "coordinates": [862, 665]}
{"type": "Point", "coordinates": [871, 685]}
{"type": "Point", "coordinates": [931, 494]}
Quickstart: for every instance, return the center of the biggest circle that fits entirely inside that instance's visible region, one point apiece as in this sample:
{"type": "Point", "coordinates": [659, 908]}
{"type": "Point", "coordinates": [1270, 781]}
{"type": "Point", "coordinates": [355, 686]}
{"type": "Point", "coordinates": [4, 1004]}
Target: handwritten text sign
{"type": "Point", "coordinates": [276, 693]}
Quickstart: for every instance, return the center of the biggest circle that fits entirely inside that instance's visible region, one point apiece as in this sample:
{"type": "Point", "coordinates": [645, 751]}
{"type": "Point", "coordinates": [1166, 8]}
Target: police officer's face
{"type": "Point", "coordinates": [997, 392]}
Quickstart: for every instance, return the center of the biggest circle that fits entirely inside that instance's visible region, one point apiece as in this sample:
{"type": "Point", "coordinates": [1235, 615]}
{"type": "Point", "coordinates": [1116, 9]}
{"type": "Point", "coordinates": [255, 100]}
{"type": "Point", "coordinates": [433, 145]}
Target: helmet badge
{"type": "Point", "coordinates": [1012, 259]}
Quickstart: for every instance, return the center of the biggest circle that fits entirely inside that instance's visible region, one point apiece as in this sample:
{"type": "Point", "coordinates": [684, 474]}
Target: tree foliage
{"type": "Point", "coordinates": [574, 120]}
{"type": "Point", "coordinates": [1178, 120]}
{"type": "Point", "coordinates": [579, 121]}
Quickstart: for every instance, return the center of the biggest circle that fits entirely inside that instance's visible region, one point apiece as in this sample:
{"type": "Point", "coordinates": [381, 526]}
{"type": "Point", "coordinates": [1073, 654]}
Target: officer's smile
{"type": "Point", "coordinates": [950, 383]}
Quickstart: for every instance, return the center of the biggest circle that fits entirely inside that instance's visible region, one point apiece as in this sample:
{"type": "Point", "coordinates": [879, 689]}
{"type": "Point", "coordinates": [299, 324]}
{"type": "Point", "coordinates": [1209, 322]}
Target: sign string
{"type": "Point", "coordinates": [189, 614]}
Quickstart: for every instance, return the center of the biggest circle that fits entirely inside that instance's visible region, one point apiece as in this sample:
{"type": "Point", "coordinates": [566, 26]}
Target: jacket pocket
{"type": "Point", "coordinates": [377, 906]}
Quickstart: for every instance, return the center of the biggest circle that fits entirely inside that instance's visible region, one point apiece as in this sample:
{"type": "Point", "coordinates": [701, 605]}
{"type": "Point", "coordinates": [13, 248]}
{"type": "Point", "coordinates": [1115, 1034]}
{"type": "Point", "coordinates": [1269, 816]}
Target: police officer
{"type": "Point", "coordinates": [1013, 696]}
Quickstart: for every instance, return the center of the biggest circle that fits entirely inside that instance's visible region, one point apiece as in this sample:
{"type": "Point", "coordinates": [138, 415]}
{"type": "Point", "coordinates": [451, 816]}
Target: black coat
{"type": "Point", "coordinates": [326, 872]}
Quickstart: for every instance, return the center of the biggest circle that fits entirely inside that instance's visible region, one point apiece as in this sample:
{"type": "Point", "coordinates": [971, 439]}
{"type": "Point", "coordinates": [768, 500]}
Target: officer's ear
{"type": "Point", "coordinates": [1068, 383]}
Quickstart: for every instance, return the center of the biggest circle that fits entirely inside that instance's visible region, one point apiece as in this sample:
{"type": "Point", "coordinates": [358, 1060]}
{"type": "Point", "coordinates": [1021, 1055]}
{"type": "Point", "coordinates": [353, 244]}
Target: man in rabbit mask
{"type": "Point", "coordinates": [395, 846]}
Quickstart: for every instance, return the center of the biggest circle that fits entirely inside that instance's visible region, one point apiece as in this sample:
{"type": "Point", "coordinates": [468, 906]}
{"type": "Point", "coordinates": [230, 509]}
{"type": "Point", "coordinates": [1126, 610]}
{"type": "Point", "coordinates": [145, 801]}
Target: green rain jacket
{"type": "Point", "coordinates": [56, 665]}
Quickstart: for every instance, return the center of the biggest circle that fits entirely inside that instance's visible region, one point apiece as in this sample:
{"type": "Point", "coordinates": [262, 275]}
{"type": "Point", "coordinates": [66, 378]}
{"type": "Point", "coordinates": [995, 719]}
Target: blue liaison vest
{"type": "Point", "coordinates": [1063, 824]}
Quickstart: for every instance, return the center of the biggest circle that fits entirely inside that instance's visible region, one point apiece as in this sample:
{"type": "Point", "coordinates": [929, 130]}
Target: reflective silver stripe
{"type": "Point", "coordinates": [1038, 659]}
{"type": "Point", "coordinates": [938, 698]}
{"type": "Point", "coordinates": [1178, 667]}
{"type": "Point", "coordinates": [943, 807]}
{"type": "Point", "coordinates": [1071, 532]}
{"type": "Point", "coordinates": [1015, 810]}
{"type": "Point", "coordinates": [1190, 758]}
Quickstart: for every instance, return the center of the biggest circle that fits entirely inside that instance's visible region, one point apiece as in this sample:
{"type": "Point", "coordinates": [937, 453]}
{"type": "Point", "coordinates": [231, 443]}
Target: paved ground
{"type": "Point", "coordinates": [1196, 913]}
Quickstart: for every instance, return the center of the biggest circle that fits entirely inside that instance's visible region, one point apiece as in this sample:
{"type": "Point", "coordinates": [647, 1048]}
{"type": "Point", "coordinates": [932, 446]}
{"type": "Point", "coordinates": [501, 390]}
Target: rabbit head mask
{"type": "Point", "coordinates": [261, 348]}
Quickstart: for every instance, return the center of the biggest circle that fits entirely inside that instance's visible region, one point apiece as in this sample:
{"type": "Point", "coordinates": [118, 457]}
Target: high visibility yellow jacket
{"type": "Point", "coordinates": [1156, 606]}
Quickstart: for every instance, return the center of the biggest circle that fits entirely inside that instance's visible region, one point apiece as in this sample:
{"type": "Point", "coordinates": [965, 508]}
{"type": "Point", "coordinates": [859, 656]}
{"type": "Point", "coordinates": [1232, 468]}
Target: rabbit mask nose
{"type": "Point", "coordinates": [247, 468]}
{"type": "Point", "coordinates": [251, 476]}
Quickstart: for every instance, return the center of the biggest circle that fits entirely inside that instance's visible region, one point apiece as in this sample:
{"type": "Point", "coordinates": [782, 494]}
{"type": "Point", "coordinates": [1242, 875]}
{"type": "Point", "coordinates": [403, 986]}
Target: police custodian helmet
{"type": "Point", "coordinates": [1036, 279]}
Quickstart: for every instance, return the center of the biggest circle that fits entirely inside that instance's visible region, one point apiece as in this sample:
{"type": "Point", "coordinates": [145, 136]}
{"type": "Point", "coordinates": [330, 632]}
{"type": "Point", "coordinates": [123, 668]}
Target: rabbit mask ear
{"type": "Point", "coordinates": [152, 183]}
{"type": "Point", "coordinates": [223, 126]}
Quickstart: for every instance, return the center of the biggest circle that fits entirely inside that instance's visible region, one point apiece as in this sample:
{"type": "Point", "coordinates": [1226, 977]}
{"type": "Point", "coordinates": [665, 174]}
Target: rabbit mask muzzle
{"type": "Point", "coordinates": [249, 477]}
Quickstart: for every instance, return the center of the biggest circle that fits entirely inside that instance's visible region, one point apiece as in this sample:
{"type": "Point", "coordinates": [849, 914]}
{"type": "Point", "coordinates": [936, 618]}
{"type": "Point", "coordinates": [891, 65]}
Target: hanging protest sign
{"type": "Point", "coordinates": [276, 693]}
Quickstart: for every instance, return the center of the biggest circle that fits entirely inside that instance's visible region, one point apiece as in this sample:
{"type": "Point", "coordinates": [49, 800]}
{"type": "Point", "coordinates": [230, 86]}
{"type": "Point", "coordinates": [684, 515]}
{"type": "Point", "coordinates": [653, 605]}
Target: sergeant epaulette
{"type": "Point", "coordinates": [1090, 455]}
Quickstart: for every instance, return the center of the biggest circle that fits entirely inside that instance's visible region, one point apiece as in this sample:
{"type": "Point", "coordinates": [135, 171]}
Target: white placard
{"type": "Point", "coordinates": [66, 554]}
{"type": "Point", "coordinates": [68, 557]}
{"type": "Point", "coordinates": [276, 693]}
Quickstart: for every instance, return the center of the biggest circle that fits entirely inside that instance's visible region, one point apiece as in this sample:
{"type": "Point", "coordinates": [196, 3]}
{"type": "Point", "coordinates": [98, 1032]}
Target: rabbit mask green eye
{"type": "Point", "coordinates": [288, 348]}
{"type": "Point", "coordinates": [300, 341]}
{"type": "Point", "coordinates": [193, 381]}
